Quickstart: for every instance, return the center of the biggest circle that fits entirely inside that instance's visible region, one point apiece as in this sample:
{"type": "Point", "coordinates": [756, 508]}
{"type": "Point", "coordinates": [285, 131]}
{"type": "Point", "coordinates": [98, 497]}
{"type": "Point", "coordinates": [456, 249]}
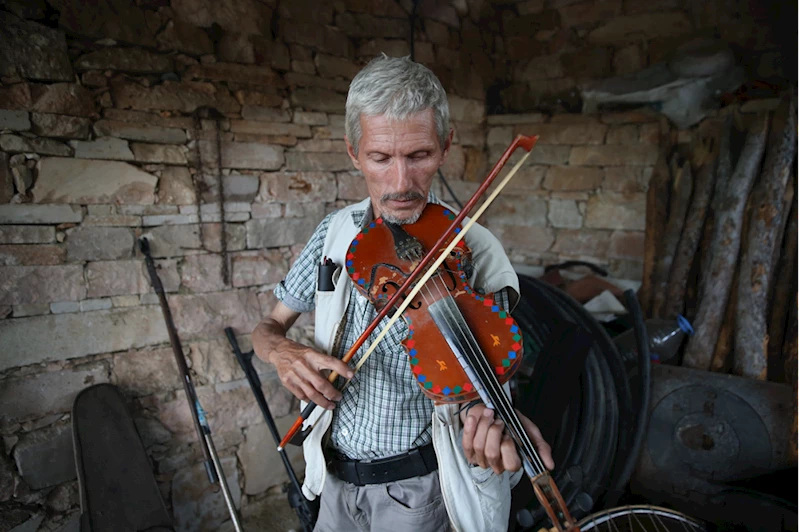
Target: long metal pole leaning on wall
{"type": "Point", "coordinates": [213, 467]}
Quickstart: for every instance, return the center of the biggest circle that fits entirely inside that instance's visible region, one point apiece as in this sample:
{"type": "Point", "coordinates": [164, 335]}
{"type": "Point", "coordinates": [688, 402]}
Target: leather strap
{"type": "Point", "coordinates": [416, 462]}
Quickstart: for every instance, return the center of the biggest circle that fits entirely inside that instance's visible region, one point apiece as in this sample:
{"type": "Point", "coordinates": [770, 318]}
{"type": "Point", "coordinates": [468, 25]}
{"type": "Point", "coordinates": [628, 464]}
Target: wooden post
{"type": "Point", "coordinates": [726, 244]}
{"type": "Point", "coordinates": [757, 260]}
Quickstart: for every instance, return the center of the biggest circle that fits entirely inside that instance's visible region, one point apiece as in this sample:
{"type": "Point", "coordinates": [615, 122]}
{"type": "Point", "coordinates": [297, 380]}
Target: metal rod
{"type": "Point", "coordinates": [212, 465]}
{"type": "Point", "coordinates": [306, 510]}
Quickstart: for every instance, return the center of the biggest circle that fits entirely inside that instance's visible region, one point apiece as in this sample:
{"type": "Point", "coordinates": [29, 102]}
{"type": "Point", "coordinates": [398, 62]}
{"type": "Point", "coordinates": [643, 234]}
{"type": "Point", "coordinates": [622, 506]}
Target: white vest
{"type": "Point", "coordinates": [476, 499]}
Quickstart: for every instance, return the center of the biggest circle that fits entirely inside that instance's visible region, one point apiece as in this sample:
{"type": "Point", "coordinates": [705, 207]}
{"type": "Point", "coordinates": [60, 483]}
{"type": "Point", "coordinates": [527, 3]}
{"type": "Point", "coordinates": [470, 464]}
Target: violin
{"type": "Point", "coordinates": [460, 344]}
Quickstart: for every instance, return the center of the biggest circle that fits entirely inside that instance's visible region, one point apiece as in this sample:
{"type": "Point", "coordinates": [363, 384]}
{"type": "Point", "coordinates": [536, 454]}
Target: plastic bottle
{"type": "Point", "coordinates": [665, 338]}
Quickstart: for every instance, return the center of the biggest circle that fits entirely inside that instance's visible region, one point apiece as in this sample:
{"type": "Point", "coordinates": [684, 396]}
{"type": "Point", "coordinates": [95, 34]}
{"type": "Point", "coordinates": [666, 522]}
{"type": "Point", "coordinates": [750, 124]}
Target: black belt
{"type": "Point", "coordinates": [415, 463]}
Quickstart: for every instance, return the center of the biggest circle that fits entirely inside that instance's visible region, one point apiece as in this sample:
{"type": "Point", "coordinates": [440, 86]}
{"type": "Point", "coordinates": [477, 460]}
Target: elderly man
{"type": "Point", "coordinates": [437, 466]}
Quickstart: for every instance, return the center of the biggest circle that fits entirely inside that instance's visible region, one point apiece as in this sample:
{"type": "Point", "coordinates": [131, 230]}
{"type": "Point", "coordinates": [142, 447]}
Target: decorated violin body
{"type": "Point", "coordinates": [380, 259]}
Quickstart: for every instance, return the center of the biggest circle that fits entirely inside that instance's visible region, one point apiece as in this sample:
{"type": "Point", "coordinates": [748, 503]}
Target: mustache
{"type": "Point", "coordinates": [401, 196]}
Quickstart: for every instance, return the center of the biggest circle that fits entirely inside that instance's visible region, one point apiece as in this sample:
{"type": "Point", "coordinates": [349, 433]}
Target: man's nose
{"type": "Point", "coordinates": [401, 175]}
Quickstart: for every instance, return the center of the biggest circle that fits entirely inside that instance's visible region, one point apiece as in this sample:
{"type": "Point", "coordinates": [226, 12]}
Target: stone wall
{"type": "Point", "coordinates": [114, 121]}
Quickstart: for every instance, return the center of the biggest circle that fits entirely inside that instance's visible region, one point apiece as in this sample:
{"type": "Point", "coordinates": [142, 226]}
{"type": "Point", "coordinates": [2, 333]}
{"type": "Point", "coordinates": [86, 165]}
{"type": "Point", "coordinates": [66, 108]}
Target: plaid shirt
{"type": "Point", "coordinates": [383, 411]}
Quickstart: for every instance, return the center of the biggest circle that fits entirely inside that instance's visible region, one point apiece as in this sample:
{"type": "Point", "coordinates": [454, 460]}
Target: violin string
{"type": "Point", "coordinates": [480, 365]}
{"type": "Point", "coordinates": [469, 346]}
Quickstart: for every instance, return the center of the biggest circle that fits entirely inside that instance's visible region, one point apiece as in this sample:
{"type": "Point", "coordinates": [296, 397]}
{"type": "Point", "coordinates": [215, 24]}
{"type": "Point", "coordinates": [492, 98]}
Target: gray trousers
{"type": "Point", "coordinates": [413, 505]}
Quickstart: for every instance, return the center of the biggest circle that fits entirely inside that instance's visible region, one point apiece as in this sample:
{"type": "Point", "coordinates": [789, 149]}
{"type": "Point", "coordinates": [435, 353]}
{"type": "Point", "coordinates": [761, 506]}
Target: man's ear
{"type": "Point", "coordinates": [447, 146]}
{"type": "Point", "coordinates": [351, 152]}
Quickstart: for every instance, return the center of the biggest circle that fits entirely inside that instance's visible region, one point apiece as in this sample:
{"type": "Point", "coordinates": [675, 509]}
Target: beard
{"type": "Point", "coordinates": [401, 196]}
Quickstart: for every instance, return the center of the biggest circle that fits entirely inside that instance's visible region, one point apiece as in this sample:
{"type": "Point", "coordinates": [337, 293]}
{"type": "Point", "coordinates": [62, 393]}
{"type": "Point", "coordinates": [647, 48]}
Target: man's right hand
{"type": "Point", "coordinates": [301, 369]}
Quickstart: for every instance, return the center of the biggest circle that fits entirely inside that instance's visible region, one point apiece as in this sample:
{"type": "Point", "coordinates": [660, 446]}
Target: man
{"type": "Point", "coordinates": [387, 466]}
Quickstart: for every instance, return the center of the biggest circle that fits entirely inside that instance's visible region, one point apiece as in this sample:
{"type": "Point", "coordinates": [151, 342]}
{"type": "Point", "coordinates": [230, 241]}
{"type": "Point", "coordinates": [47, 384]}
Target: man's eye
{"type": "Point", "coordinates": [419, 155]}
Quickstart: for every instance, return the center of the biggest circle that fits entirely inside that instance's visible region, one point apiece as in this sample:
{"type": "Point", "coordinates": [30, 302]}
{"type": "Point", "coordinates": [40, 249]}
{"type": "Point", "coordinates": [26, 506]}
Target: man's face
{"type": "Point", "coordinates": [399, 160]}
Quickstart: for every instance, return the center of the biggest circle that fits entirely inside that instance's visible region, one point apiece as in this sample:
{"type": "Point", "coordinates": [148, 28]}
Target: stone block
{"type": "Point", "coordinates": [269, 128]}
{"type": "Point", "coordinates": [351, 186]}
{"type": "Point", "coordinates": [625, 179]}
{"type": "Point", "coordinates": [197, 505]}
{"type": "Point", "coordinates": [32, 50]}
{"type": "Point", "coordinates": [296, 79]}
{"type": "Point", "coordinates": [385, 8]}
{"type": "Point", "coordinates": [256, 268]}
{"type": "Point", "coordinates": [617, 211]}
{"type": "Point", "coordinates": [590, 64]}
{"type": "Point", "coordinates": [207, 315]}
{"type": "Point", "coordinates": [116, 19]}
{"type": "Point", "coordinates": [523, 237]}
{"type": "Point", "coordinates": [125, 277]}
{"type": "Point", "coordinates": [286, 187]}
{"type": "Point", "coordinates": [629, 59]}
{"type": "Point", "coordinates": [317, 162]}
{"type": "Point", "coordinates": [112, 220]}
{"type": "Point", "coordinates": [34, 309]}
{"type": "Point", "coordinates": [175, 187]}
{"type": "Point", "coordinates": [623, 134]}
{"type": "Point", "coordinates": [318, 99]}
{"type": "Point", "coordinates": [589, 13]}
{"type": "Point", "coordinates": [465, 110]}
{"type": "Point", "coordinates": [519, 211]}
{"type": "Point", "coordinates": [122, 329]}
{"type": "Point", "coordinates": [627, 245]}
{"type": "Point", "coordinates": [203, 273]}
{"type": "Point", "coordinates": [362, 25]}
{"type": "Point", "coordinates": [582, 243]}
{"type": "Point", "coordinates": [647, 25]}
{"type": "Point", "coordinates": [21, 285]}
{"type": "Point", "coordinates": [99, 243]}
{"type": "Point", "coordinates": [88, 305]}
{"type": "Point", "coordinates": [63, 99]}
{"type": "Point", "coordinates": [143, 118]}
{"type": "Point", "coordinates": [540, 68]}
{"type": "Point", "coordinates": [240, 187]}
{"type": "Point", "coordinates": [235, 73]}
{"type": "Point", "coordinates": [6, 179]}
{"type": "Point", "coordinates": [580, 134]}
{"type": "Point", "coordinates": [14, 120]}
{"type": "Point", "coordinates": [390, 47]}
{"type": "Point", "coordinates": [251, 155]}
{"type": "Point", "coordinates": [321, 145]}
{"type": "Point", "coordinates": [323, 38]}
{"type": "Point", "coordinates": [126, 130]}
{"type": "Point", "coordinates": [65, 306]}
{"type": "Point", "coordinates": [26, 234]}
{"type": "Point", "coordinates": [650, 134]}
{"type": "Point", "coordinates": [331, 66]}
{"type": "Point", "coordinates": [258, 98]}
{"type": "Point", "coordinates": [610, 155]}
{"type": "Point", "coordinates": [146, 371]}
{"type": "Point", "coordinates": [60, 126]}
{"type": "Point", "coordinates": [564, 214]}
{"type": "Point", "coordinates": [242, 16]}
{"type": "Point", "coordinates": [45, 457]}
{"type": "Point", "coordinates": [159, 153]}
{"type": "Point", "coordinates": [16, 96]}
{"type": "Point", "coordinates": [31, 255]}
{"type": "Point", "coordinates": [264, 114]}
{"type": "Point", "coordinates": [272, 233]}
{"type": "Point", "coordinates": [39, 394]}
{"type": "Point", "coordinates": [17, 144]}
{"type": "Point", "coordinates": [307, 118]}
{"type": "Point", "coordinates": [63, 180]}
{"type": "Point", "coordinates": [185, 37]}
{"type": "Point", "coordinates": [173, 240]}
{"type": "Point", "coordinates": [103, 148]}
{"type": "Point", "coordinates": [235, 48]}
{"type": "Point", "coordinates": [573, 178]}
{"type": "Point", "coordinates": [235, 235]}
{"type": "Point", "coordinates": [129, 59]}
{"type": "Point", "coordinates": [184, 96]}
{"type": "Point", "coordinates": [40, 214]}
{"type": "Point", "coordinates": [262, 465]}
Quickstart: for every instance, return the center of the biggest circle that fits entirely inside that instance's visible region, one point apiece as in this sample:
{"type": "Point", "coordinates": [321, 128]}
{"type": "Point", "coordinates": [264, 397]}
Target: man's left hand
{"type": "Point", "coordinates": [485, 442]}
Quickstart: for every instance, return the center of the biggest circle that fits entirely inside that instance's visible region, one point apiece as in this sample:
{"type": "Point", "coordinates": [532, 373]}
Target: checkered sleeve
{"type": "Point", "coordinates": [298, 289]}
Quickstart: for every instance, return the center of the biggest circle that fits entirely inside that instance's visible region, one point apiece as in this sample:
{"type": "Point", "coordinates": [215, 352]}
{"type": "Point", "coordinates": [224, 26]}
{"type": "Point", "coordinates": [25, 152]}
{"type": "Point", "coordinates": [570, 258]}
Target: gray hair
{"type": "Point", "coordinates": [396, 87]}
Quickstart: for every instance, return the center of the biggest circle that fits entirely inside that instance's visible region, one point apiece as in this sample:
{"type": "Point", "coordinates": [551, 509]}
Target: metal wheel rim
{"type": "Point", "coordinates": [607, 519]}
